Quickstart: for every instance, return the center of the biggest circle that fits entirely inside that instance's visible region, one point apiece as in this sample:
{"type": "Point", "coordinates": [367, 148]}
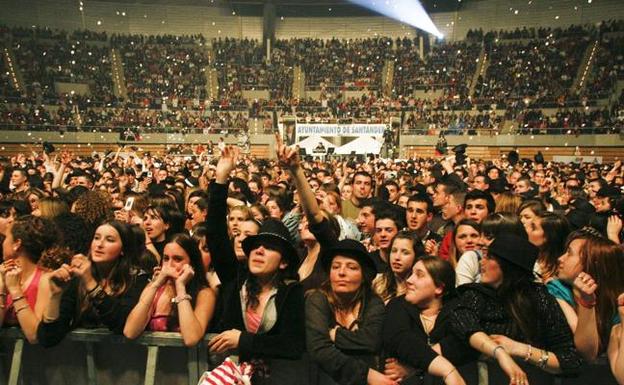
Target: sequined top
{"type": "Point", "coordinates": [480, 309]}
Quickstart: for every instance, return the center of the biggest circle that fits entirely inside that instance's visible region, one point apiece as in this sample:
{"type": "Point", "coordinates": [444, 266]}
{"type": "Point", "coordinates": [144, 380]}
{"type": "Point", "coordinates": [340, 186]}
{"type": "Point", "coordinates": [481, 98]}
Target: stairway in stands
{"type": "Point", "coordinates": [212, 76]}
{"type": "Point", "coordinates": [584, 71]}
{"type": "Point", "coordinates": [119, 80]}
{"type": "Point", "coordinates": [479, 71]}
{"type": "Point", "coordinates": [387, 78]}
{"type": "Point", "coordinates": [11, 67]}
{"type": "Point", "coordinates": [298, 86]}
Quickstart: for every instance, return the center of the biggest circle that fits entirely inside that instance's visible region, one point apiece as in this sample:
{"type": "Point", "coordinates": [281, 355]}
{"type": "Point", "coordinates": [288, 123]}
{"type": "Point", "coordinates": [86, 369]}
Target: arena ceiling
{"type": "Point", "coordinates": [320, 8]}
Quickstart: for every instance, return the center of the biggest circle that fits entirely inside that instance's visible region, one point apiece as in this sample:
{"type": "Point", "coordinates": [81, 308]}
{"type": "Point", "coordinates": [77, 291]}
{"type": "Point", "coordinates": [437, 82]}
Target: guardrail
{"type": "Point", "coordinates": [197, 356]}
{"type": "Point", "coordinates": [484, 372]}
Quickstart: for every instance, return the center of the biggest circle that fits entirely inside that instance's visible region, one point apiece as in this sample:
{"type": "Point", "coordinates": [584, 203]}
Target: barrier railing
{"type": "Point", "coordinates": [197, 356]}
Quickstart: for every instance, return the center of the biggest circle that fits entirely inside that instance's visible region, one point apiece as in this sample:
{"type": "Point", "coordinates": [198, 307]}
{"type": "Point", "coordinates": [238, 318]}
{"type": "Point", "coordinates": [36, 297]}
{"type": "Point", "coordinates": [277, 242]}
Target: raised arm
{"type": "Point", "coordinates": [586, 337]}
{"type": "Point", "coordinates": [289, 158]}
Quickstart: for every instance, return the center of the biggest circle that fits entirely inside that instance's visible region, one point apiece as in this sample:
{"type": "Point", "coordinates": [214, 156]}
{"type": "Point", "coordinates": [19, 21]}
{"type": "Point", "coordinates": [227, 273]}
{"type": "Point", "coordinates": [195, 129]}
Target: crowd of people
{"type": "Point", "coordinates": [534, 71]}
{"type": "Point", "coordinates": [159, 70]}
{"type": "Point", "coordinates": [449, 67]}
{"type": "Point", "coordinates": [541, 70]}
{"type": "Point", "coordinates": [345, 271]}
{"type": "Point", "coordinates": [44, 63]}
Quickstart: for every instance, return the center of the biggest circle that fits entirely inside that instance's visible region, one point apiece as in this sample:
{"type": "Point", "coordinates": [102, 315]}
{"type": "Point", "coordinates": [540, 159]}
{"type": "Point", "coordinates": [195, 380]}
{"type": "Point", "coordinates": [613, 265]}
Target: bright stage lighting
{"type": "Point", "coordinates": [406, 11]}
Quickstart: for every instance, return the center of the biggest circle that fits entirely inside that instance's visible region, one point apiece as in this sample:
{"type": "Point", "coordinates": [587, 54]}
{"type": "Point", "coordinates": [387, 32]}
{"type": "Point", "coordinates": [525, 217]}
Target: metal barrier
{"type": "Point", "coordinates": [197, 356]}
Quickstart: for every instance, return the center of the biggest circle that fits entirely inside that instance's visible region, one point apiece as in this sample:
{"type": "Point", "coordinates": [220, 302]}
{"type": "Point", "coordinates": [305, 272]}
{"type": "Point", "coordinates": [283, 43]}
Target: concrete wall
{"type": "Point", "coordinates": [520, 140]}
{"type": "Point", "coordinates": [218, 21]}
{"type": "Point", "coordinates": [211, 21]}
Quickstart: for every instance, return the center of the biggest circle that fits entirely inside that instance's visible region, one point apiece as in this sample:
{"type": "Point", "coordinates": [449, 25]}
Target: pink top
{"type": "Point", "coordinates": [159, 322]}
{"type": "Point", "coordinates": [30, 294]}
{"type": "Point", "coordinates": [253, 321]}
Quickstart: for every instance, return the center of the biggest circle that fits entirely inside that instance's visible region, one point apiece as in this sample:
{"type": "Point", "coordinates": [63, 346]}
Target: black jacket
{"type": "Point", "coordinates": [110, 312]}
{"type": "Point", "coordinates": [348, 359]}
{"type": "Point", "coordinates": [405, 339]}
{"type": "Point", "coordinates": [286, 339]}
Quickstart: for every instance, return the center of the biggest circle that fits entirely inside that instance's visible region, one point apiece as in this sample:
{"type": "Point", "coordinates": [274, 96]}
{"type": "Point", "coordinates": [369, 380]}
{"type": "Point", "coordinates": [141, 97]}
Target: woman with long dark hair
{"type": "Point", "coordinates": [510, 315]}
{"type": "Point", "coordinates": [405, 250]}
{"type": "Point", "coordinates": [95, 290]}
{"type": "Point", "coordinates": [178, 297]}
{"type": "Point", "coordinates": [344, 319]}
{"type": "Point", "coordinates": [548, 233]}
{"type": "Point", "coordinates": [590, 279]}
{"type": "Point", "coordinates": [160, 223]}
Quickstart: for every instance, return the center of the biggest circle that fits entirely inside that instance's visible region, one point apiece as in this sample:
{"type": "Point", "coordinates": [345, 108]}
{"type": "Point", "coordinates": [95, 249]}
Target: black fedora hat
{"type": "Point", "coordinates": [274, 233]}
{"type": "Point", "coordinates": [515, 250]}
{"type": "Point", "coordinates": [352, 249]}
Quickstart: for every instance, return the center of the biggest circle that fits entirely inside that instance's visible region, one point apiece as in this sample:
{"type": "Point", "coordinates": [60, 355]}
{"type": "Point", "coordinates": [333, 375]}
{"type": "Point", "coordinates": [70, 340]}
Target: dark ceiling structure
{"type": "Point", "coordinates": [326, 8]}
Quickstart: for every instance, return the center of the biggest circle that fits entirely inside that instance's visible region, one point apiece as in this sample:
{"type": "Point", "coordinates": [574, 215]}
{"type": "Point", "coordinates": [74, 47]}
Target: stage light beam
{"type": "Point", "coordinates": [410, 12]}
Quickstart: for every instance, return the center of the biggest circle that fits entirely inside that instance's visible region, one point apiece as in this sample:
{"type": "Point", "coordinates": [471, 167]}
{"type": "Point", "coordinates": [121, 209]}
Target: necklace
{"type": "Point", "coordinates": [428, 322]}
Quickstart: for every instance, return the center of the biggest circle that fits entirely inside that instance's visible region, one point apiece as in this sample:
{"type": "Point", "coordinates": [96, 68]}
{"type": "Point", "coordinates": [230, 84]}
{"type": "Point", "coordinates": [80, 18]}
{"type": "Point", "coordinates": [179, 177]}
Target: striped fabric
{"type": "Point", "coordinates": [228, 373]}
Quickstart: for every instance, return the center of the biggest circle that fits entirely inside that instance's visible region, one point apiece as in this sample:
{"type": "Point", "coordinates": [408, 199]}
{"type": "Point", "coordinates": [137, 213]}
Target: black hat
{"type": "Point", "coordinates": [498, 185]}
{"type": "Point", "coordinates": [48, 147]}
{"type": "Point", "coordinates": [539, 158]}
{"type": "Point", "coordinates": [609, 192]}
{"type": "Point", "coordinates": [513, 157]}
{"type": "Point", "coordinates": [582, 204]}
{"type": "Point", "coordinates": [514, 249]}
{"type": "Point", "coordinates": [460, 148]}
{"type": "Point", "coordinates": [274, 232]}
{"type": "Point", "coordinates": [578, 218]}
{"type": "Point", "coordinates": [352, 249]}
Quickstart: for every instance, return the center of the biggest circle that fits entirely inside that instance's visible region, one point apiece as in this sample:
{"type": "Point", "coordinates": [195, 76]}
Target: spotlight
{"type": "Point", "coordinates": [406, 11]}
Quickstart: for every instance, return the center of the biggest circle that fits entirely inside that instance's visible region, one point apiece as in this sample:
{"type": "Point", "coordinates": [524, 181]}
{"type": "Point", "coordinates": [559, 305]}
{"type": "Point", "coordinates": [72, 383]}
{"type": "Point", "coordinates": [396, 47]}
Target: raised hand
{"type": "Point", "coordinates": [81, 267]}
{"type": "Point", "coordinates": [66, 158]}
{"type": "Point", "coordinates": [59, 279]}
{"type": "Point", "coordinates": [431, 247]}
{"type": "Point", "coordinates": [614, 227]}
{"type": "Point", "coordinates": [287, 156]}
{"type": "Point", "coordinates": [227, 162]}
{"type": "Point", "coordinates": [13, 281]}
{"type": "Point", "coordinates": [585, 285]}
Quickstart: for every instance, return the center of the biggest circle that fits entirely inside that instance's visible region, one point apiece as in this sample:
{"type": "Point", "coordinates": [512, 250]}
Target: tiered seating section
{"type": "Point", "coordinates": [528, 81]}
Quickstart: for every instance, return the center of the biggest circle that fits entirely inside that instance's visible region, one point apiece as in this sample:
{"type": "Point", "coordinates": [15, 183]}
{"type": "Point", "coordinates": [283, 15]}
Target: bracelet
{"type": "Point", "coordinates": [448, 374]}
{"type": "Point", "coordinates": [495, 349]}
{"type": "Point", "coordinates": [585, 304]}
{"type": "Point", "coordinates": [529, 354]}
{"type": "Point", "coordinates": [177, 300]}
{"type": "Point", "coordinates": [21, 308]}
{"type": "Point", "coordinates": [18, 298]}
{"type": "Point", "coordinates": [543, 359]}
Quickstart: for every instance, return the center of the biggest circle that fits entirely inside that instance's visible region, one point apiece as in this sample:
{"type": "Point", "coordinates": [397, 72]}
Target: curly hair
{"type": "Point", "coordinates": [36, 235]}
{"type": "Point", "coordinates": [95, 207]}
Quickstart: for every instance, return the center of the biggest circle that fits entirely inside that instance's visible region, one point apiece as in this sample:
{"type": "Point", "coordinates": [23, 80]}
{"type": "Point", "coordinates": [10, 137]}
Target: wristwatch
{"type": "Point", "coordinates": [177, 300]}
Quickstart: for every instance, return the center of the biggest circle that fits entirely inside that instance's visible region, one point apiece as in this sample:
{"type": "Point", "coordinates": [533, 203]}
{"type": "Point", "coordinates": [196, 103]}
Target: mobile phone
{"type": "Point", "coordinates": [129, 203]}
{"type": "Point", "coordinates": [149, 174]}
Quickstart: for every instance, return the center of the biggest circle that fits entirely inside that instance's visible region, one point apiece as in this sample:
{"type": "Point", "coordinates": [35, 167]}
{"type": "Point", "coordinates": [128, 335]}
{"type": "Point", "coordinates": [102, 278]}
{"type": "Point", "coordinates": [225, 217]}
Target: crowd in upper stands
{"type": "Point", "coordinates": [526, 70]}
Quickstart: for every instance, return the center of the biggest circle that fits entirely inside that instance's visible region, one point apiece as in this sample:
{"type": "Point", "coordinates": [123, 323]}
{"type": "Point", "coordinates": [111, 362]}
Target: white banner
{"type": "Point", "coordinates": [306, 129]}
